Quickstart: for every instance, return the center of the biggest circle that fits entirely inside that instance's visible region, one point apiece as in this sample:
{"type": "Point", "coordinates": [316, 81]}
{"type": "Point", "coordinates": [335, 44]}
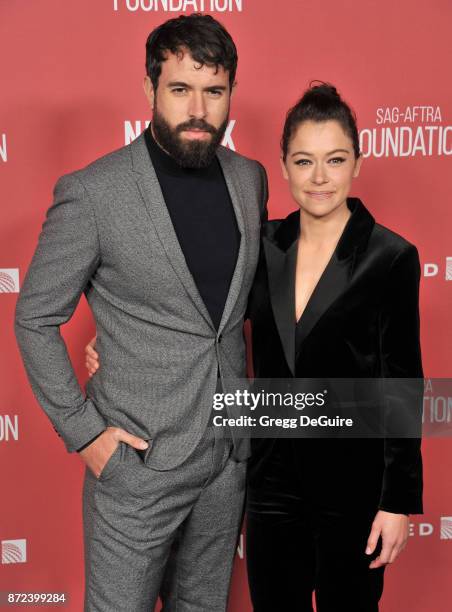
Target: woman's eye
{"type": "Point", "coordinates": [336, 160]}
{"type": "Point", "coordinates": [303, 162]}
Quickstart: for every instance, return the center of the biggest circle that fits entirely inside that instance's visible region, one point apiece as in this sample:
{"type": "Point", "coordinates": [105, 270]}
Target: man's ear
{"type": "Point", "coordinates": [234, 85]}
{"type": "Point", "coordinates": [149, 91]}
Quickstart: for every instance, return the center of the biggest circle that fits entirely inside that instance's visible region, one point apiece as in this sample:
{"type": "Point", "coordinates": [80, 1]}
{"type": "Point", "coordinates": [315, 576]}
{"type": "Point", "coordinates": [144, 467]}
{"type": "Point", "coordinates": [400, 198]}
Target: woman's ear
{"type": "Point", "coordinates": [283, 168]}
{"type": "Point", "coordinates": [357, 168]}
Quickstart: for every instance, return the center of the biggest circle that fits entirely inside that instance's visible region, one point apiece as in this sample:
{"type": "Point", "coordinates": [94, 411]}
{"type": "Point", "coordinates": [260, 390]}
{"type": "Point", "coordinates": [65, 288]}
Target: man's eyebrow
{"type": "Point", "coordinates": [178, 84]}
{"type": "Point", "coordinates": [218, 87]}
{"type": "Point", "coordinates": [187, 86]}
{"type": "Point", "coordinates": [312, 155]}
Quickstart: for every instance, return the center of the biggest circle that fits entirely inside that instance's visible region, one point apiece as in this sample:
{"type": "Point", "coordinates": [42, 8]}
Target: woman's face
{"type": "Point", "coordinates": [320, 166]}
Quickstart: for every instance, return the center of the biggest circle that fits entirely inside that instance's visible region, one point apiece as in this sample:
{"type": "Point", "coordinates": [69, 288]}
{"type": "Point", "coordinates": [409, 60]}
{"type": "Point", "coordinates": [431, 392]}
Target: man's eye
{"type": "Point", "coordinates": [303, 162]}
{"type": "Point", "coordinates": [179, 90]}
{"type": "Point", "coordinates": [336, 160]}
{"type": "Point", "coordinates": [216, 93]}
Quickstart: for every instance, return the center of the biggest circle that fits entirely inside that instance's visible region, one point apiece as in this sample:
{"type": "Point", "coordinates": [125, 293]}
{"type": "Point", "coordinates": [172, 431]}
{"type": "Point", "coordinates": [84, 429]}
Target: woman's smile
{"type": "Point", "coordinates": [320, 195]}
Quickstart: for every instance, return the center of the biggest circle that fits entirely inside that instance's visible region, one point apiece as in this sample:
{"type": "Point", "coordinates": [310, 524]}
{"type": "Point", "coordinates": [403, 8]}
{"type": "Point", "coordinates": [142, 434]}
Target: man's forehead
{"type": "Point", "coordinates": [183, 65]}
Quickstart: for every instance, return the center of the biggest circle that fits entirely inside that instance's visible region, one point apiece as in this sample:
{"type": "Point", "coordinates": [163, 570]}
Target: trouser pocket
{"type": "Point", "coordinates": [112, 462]}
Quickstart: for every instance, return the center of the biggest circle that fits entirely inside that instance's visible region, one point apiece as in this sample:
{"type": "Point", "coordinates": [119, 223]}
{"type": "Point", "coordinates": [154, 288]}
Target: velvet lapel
{"type": "Point", "coordinates": [330, 286]}
{"type": "Point", "coordinates": [152, 196]}
{"type": "Point", "coordinates": [281, 258]}
{"type": "Point", "coordinates": [339, 271]}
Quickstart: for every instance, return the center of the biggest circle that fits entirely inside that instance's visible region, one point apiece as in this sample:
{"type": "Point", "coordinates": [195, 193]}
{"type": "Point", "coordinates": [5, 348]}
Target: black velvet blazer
{"type": "Point", "coordinates": [362, 320]}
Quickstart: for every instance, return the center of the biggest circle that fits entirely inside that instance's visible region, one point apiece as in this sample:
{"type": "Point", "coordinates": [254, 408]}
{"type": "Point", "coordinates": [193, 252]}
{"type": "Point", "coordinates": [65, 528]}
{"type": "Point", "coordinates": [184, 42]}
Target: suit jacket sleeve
{"type": "Point", "coordinates": [66, 257]}
{"type": "Point", "coordinates": [401, 359]}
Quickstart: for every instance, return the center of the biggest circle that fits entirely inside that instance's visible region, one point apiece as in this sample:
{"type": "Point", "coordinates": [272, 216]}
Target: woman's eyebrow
{"type": "Point", "coordinates": [312, 154]}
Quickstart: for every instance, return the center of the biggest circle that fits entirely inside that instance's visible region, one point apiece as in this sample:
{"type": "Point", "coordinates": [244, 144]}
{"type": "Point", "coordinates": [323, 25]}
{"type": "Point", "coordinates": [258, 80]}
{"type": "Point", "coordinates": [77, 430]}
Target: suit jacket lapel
{"type": "Point", "coordinates": [152, 196]}
{"type": "Point", "coordinates": [233, 186]}
{"type": "Point", "coordinates": [281, 281]}
{"type": "Point", "coordinates": [281, 258]}
{"type": "Point", "coordinates": [339, 271]}
{"type": "Point", "coordinates": [331, 285]}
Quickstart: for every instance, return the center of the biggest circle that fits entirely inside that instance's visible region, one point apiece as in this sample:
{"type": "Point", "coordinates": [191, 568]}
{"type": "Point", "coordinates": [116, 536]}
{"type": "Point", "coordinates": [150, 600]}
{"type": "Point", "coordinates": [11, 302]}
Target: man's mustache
{"type": "Point", "coordinates": [196, 124]}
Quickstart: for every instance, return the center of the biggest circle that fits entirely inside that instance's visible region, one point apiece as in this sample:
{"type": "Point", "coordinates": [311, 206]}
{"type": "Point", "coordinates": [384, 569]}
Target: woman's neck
{"type": "Point", "coordinates": [319, 231]}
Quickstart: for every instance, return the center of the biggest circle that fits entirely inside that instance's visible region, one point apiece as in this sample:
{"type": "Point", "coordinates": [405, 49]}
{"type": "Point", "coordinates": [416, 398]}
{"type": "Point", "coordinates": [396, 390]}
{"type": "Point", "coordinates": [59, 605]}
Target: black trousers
{"type": "Point", "coordinates": [297, 545]}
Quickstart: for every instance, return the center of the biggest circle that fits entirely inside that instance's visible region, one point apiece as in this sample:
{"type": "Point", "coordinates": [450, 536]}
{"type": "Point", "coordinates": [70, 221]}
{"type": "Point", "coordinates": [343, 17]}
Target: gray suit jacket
{"type": "Point", "coordinates": [109, 234]}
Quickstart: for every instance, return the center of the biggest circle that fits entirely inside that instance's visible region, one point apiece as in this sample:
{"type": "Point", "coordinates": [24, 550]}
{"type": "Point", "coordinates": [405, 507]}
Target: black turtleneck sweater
{"type": "Point", "coordinates": [203, 217]}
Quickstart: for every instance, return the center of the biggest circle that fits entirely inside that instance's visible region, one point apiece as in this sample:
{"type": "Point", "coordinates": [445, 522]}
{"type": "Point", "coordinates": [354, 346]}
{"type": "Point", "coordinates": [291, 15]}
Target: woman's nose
{"type": "Point", "coordinates": [319, 175]}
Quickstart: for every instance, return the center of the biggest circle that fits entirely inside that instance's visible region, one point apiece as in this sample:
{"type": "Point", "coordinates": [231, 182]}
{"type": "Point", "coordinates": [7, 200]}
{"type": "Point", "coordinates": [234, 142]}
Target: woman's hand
{"type": "Point", "coordinates": [394, 530]}
{"type": "Point", "coordinates": [91, 357]}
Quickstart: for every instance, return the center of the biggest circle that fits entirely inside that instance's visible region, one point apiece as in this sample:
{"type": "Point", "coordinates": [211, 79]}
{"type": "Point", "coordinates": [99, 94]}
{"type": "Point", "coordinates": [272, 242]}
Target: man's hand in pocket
{"type": "Point", "coordinates": [96, 454]}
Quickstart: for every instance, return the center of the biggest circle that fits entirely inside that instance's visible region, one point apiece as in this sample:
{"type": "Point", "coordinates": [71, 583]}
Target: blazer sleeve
{"type": "Point", "coordinates": [66, 257]}
{"type": "Point", "coordinates": [401, 359]}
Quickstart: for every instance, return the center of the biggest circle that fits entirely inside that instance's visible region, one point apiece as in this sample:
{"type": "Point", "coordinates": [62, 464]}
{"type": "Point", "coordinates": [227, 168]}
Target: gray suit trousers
{"type": "Point", "coordinates": [171, 534]}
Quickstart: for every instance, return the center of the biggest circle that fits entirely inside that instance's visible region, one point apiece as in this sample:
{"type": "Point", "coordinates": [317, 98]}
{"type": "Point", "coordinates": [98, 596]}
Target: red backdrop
{"type": "Point", "coordinates": [71, 75]}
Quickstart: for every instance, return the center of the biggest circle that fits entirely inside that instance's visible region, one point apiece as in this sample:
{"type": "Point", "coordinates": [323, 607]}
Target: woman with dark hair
{"type": "Point", "coordinates": [335, 295]}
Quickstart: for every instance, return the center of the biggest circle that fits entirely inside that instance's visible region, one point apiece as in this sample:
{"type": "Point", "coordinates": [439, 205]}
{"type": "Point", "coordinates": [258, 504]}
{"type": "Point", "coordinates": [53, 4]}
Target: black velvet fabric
{"type": "Point", "coordinates": [297, 543]}
{"type": "Point", "coordinates": [361, 321]}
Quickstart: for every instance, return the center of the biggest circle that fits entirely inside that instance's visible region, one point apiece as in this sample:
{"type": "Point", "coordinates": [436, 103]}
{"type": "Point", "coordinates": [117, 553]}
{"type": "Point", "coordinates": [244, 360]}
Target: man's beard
{"type": "Point", "coordinates": [188, 153]}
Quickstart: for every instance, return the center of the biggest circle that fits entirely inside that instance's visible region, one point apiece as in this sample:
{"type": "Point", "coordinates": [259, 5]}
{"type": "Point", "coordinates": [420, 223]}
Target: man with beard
{"type": "Point", "coordinates": [162, 237]}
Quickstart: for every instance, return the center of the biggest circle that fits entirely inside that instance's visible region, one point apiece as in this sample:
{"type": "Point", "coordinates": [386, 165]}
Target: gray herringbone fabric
{"type": "Point", "coordinates": [109, 234]}
{"type": "Point", "coordinates": [172, 534]}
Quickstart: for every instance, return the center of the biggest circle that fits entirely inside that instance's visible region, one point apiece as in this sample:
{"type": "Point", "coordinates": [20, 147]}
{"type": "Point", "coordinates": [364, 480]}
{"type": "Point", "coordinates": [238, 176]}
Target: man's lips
{"type": "Point", "coordinates": [196, 134]}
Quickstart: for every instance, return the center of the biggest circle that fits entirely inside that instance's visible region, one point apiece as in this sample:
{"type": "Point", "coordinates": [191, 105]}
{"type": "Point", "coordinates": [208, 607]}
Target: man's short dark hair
{"type": "Point", "coordinates": [206, 39]}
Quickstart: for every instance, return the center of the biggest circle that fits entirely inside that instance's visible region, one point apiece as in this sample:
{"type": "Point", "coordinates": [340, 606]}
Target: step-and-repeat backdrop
{"type": "Point", "coordinates": [71, 90]}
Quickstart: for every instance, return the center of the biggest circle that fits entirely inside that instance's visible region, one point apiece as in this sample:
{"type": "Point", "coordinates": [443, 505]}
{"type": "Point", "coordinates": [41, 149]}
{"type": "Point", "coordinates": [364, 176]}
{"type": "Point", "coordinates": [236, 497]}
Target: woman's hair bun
{"type": "Point", "coordinates": [320, 102]}
{"type": "Point", "coordinates": [322, 87]}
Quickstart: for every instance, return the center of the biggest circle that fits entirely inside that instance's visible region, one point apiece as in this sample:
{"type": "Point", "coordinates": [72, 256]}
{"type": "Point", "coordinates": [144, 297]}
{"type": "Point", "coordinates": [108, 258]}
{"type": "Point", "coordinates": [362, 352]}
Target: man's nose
{"type": "Point", "coordinates": [197, 106]}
